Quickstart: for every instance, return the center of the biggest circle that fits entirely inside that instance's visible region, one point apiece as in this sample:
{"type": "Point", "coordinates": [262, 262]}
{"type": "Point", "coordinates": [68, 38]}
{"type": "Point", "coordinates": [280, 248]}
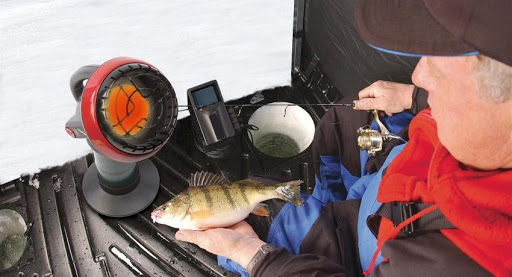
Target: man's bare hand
{"type": "Point", "coordinates": [385, 96]}
{"type": "Point", "coordinates": [238, 242]}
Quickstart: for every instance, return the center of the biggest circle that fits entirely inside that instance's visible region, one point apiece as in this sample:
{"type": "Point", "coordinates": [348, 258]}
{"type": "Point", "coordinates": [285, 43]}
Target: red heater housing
{"type": "Point", "coordinates": [127, 111]}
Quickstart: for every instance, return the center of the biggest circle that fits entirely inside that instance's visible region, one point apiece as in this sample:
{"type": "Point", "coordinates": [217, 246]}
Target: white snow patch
{"type": "Point", "coordinates": [34, 181]}
{"type": "Point", "coordinates": [57, 183]}
{"type": "Point", "coordinates": [125, 259]}
{"type": "Point", "coordinates": [245, 45]}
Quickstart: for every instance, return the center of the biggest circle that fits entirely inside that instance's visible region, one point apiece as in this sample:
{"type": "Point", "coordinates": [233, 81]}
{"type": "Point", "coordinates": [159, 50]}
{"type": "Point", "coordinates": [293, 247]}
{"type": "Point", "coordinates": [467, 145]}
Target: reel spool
{"type": "Point", "coordinates": [127, 112]}
{"type": "Point", "coordinates": [373, 140]}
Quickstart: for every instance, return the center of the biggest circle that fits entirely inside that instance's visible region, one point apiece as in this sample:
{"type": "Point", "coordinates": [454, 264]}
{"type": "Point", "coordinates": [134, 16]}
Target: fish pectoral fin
{"type": "Point", "coordinates": [201, 214]}
{"type": "Point", "coordinates": [204, 228]}
{"type": "Point", "coordinates": [260, 209]}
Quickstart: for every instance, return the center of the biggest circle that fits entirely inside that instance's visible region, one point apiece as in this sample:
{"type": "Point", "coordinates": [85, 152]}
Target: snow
{"type": "Point", "coordinates": [34, 181]}
{"type": "Point", "coordinates": [245, 45]}
{"type": "Point", "coordinates": [11, 222]}
{"type": "Point", "coordinates": [125, 259]}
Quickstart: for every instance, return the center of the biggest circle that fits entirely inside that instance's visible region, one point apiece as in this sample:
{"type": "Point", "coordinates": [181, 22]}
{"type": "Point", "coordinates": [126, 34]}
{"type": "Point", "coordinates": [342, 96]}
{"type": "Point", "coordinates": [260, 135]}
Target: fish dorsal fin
{"type": "Point", "coordinates": [204, 178]}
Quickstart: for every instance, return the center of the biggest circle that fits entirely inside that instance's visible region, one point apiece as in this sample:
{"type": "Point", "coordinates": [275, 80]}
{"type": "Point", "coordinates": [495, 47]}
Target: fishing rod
{"type": "Point", "coordinates": [279, 104]}
{"type": "Point", "coordinates": [349, 105]}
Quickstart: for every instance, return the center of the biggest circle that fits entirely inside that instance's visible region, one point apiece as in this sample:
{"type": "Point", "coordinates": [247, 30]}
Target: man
{"type": "Point", "coordinates": [456, 164]}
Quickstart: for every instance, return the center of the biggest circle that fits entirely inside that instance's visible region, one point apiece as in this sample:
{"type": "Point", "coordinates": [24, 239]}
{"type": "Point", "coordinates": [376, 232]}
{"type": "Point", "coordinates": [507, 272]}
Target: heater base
{"type": "Point", "coordinates": [125, 204]}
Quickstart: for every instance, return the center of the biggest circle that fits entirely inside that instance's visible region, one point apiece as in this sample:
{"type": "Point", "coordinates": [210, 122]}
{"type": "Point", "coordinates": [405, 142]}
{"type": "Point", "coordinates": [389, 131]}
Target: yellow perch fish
{"type": "Point", "coordinates": [211, 201]}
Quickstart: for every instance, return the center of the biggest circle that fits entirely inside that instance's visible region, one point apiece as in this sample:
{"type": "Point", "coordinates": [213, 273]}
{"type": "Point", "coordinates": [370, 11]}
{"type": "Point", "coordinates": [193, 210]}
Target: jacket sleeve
{"type": "Point", "coordinates": [281, 263]}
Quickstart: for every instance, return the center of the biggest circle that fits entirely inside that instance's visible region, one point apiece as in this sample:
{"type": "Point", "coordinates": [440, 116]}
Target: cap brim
{"type": "Point", "coordinates": [404, 27]}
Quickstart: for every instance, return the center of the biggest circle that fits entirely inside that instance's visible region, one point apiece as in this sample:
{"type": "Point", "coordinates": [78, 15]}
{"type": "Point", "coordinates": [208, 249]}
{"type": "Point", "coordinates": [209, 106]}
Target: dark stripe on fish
{"type": "Point", "coordinates": [206, 193]}
{"type": "Point", "coordinates": [242, 191]}
{"type": "Point", "coordinates": [228, 195]}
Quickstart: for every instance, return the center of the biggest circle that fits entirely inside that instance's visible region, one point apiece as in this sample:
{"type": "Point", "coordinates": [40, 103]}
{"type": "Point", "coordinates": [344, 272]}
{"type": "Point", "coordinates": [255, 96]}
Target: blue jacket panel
{"type": "Point", "coordinates": [335, 184]}
{"type": "Point", "coordinates": [367, 242]}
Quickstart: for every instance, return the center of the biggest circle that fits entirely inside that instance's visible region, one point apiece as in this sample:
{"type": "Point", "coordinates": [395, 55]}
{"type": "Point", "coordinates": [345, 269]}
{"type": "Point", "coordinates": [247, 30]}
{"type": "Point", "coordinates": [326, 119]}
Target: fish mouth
{"type": "Point", "coordinates": [155, 216]}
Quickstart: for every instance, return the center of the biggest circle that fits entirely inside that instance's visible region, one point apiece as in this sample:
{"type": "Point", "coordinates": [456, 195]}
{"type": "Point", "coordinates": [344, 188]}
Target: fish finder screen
{"type": "Point", "coordinates": [205, 97]}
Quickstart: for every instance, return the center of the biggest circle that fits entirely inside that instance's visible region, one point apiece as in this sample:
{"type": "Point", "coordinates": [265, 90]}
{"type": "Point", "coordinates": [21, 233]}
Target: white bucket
{"type": "Point", "coordinates": [283, 131]}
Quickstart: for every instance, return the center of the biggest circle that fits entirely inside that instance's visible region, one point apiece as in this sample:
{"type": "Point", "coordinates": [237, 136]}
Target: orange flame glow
{"type": "Point", "coordinates": [127, 110]}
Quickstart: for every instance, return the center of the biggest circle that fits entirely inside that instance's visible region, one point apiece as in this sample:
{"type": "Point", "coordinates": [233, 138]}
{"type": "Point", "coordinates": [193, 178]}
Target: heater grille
{"type": "Point", "coordinates": [127, 109]}
{"type": "Point", "coordinates": [136, 108]}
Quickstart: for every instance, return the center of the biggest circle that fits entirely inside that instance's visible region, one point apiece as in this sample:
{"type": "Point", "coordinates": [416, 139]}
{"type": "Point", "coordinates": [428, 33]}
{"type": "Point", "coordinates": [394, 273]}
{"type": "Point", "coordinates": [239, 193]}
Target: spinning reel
{"type": "Point", "coordinates": [373, 140]}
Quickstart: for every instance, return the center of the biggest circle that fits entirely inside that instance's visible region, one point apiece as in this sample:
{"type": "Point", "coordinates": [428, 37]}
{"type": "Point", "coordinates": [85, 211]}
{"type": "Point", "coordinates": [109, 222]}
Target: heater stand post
{"type": "Point", "coordinates": [105, 192]}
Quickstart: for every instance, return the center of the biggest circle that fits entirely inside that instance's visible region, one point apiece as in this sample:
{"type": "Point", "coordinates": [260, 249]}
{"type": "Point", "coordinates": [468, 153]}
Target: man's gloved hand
{"type": "Point", "coordinates": [385, 96]}
{"type": "Point", "coordinates": [238, 242]}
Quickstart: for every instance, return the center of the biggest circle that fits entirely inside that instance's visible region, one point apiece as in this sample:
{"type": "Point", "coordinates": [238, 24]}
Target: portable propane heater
{"type": "Point", "coordinates": [127, 112]}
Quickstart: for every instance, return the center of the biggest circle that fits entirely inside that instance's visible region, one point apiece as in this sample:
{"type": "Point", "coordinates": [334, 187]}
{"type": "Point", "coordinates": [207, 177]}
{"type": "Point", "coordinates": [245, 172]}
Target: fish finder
{"type": "Point", "coordinates": [208, 107]}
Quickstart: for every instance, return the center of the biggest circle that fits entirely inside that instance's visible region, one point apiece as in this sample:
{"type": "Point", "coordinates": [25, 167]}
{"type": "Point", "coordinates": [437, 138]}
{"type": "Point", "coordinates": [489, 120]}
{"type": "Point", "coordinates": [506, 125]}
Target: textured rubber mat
{"type": "Point", "coordinates": [65, 237]}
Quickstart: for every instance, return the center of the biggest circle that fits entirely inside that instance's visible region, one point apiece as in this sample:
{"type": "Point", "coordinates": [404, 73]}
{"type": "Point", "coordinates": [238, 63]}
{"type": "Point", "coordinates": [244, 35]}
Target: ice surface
{"type": "Point", "coordinates": [12, 239]}
{"type": "Point", "coordinates": [245, 45]}
{"type": "Point", "coordinates": [11, 222]}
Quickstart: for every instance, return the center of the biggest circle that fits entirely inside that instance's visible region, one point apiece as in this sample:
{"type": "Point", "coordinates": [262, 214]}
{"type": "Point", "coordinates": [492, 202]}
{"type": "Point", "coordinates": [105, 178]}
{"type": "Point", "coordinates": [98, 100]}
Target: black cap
{"type": "Point", "coordinates": [437, 27]}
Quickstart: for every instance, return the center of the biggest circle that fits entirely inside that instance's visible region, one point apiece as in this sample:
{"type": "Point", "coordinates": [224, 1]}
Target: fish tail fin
{"type": "Point", "coordinates": [290, 192]}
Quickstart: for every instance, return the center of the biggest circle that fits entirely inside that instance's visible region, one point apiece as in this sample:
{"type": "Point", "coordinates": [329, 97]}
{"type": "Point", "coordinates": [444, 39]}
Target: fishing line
{"type": "Point", "coordinates": [350, 105]}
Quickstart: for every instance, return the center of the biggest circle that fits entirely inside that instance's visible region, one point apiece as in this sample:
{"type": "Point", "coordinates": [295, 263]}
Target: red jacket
{"type": "Point", "coordinates": [478, 203]}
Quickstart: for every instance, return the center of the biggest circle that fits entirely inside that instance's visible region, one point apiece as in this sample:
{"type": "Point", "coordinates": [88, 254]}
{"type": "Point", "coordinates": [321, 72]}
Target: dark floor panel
{"type": "Point", "coordinates": [30, 262]}
{"type": "Point", "coordinates": [67, 238]}
{"type": "Point", "coordinates": [55, 225]}
{"type": "Point", "coordinates": [75, 227]}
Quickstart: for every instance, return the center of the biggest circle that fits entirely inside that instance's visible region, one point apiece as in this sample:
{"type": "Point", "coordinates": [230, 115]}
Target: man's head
{"type": "Point", "coordinates": [470, 94]}
{"type": "Point", "coordinates": [470, 98]}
